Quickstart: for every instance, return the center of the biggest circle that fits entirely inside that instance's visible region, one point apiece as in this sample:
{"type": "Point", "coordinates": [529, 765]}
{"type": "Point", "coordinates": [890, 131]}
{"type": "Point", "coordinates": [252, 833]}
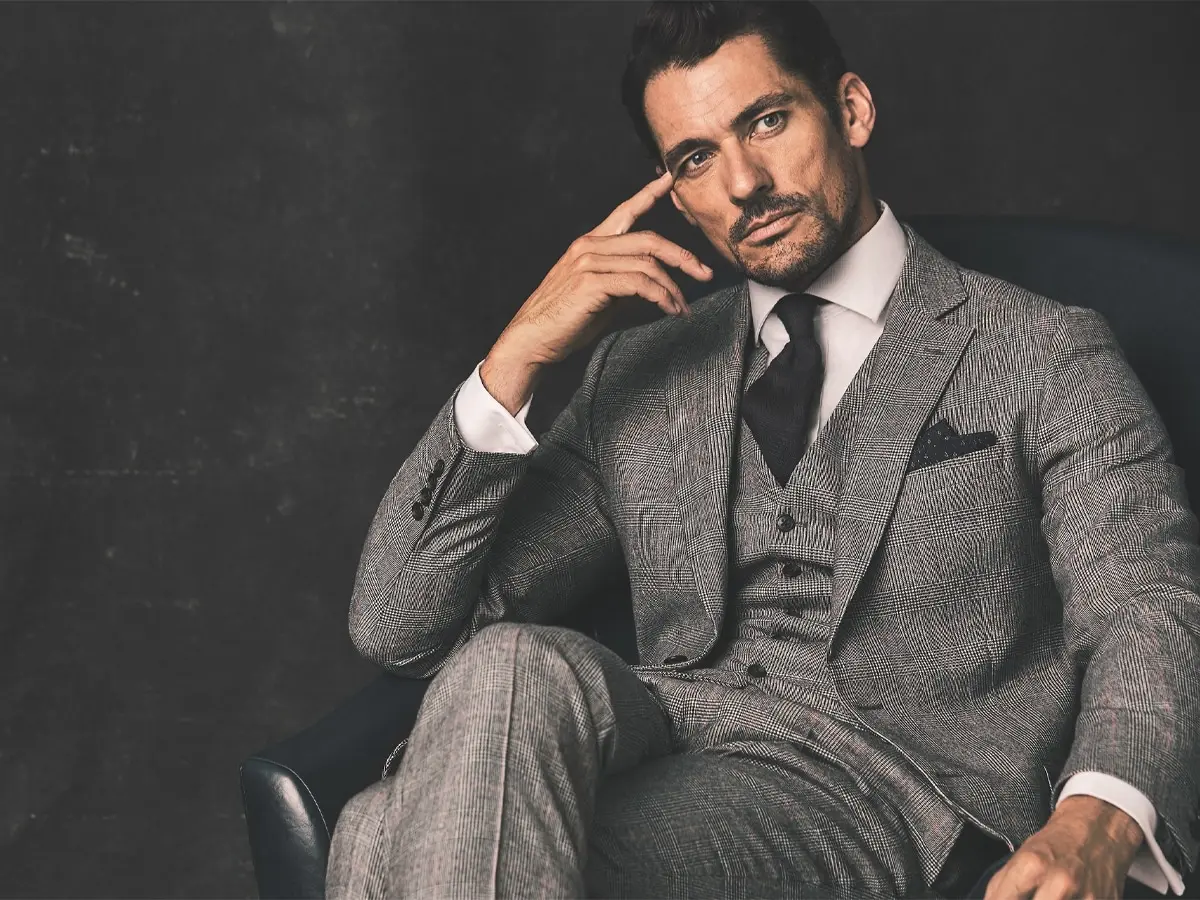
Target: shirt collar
{"type": "Point", "coordinates": [861, 279]}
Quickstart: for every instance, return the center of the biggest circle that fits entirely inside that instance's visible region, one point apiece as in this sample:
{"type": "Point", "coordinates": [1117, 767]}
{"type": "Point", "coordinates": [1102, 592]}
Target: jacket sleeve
{"type": "Point", "coordinates": [503, 536]}
{"type": "Point", "coordinates": [1126, 563]}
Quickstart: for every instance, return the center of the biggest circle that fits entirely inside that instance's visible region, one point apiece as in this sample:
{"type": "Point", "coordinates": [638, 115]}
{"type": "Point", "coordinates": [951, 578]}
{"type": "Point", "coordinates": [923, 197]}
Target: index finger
{"type": "Point", "coordinates": [621, 219]}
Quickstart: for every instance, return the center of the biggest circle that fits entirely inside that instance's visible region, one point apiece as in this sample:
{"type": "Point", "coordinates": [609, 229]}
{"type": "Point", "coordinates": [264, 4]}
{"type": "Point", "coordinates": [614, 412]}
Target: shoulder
{"type": "Point", "coordinates": [647, 349]}
{"type": "Point", "coordinates": [1006, 314]}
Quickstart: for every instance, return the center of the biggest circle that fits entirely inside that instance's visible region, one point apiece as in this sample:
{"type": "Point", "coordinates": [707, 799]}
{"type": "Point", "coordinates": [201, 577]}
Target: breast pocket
{"type": "Point", "coordinates": [960, 477]}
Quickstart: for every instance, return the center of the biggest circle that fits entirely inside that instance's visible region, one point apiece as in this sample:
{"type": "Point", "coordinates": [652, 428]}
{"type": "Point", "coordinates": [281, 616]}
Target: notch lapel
{"type": "Point", "coordinates": [918, 353]}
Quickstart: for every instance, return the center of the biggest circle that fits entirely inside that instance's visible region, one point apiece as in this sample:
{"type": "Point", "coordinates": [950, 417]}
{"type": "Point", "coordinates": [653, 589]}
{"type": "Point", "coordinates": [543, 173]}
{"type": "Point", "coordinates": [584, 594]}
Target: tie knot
{"type": "Point", "coordinates": [796, 313]}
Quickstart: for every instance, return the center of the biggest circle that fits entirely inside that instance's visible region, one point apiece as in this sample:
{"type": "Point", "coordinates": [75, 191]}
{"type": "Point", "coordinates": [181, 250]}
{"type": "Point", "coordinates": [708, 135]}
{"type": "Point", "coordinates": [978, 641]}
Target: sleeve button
{"type": "Point", "coordinates": [678, 657]}
{"type": "Point", "coordinates": [756, 670]}
{"type": "Point", "coordinates": [418, 511]}
{"type": "Point", "coordinates": [439, 467]}
{"type": "Point", "coordinates": [426, 495]}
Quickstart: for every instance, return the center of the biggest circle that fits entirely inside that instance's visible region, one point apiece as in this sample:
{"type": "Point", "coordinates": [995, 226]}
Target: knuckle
{"type": "Point", "coordinates": [650, 286]}
{"type": "Point", "coordinates": [1067, 878]}
{"type": "Point", "coordinates": [1062, 884]}
{"type": "Point", "coordinates": [1026, 864]}
{"type": "Point", "coordinates": [1035, 865]}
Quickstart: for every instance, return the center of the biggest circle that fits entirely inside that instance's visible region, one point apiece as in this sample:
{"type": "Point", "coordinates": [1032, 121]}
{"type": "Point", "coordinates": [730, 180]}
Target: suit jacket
{"type": "Point", "coordinates": [1021, 611]}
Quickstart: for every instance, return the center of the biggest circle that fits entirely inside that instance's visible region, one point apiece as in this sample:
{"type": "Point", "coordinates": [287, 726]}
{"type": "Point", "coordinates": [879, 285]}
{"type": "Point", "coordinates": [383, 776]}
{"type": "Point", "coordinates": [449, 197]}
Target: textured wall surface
{"type": "Point", "coordinates": [247, 252]}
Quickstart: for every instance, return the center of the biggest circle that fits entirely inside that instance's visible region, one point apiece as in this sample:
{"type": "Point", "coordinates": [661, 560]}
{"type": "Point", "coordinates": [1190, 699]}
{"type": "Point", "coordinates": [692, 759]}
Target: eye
{"type": "Point", "coordinates": [687, 163]}
{"type": "Point", "coordinates": [771, 120]}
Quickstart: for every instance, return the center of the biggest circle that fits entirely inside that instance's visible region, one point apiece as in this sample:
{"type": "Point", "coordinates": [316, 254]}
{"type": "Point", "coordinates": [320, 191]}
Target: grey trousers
{"type": "Point", "coordinates": [542, 765]}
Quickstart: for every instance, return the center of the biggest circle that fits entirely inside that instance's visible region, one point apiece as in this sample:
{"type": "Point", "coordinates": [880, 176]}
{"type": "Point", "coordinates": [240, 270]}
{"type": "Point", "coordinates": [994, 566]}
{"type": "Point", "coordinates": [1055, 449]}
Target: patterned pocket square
{"type": "Point", "coordinates": [940, 442]}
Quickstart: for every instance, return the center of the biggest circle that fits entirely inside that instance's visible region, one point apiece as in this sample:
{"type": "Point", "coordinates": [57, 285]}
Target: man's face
{"type": "Point", "coordinates": [747, 141]}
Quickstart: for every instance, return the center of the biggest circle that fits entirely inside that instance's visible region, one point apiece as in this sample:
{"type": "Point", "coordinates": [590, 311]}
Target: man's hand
{"type": "Point", "coordinates": [575, 300]}
{"type": "Point", "coordinates": [1084, 851]}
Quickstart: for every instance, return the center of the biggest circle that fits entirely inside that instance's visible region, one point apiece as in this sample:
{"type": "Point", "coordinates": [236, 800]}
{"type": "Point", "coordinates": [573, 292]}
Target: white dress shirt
{"type": "Point", "coordinates": [857, 285]}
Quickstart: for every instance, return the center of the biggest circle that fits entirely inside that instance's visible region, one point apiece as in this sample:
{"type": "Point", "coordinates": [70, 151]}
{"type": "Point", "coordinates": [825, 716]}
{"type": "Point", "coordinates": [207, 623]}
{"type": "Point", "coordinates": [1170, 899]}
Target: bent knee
{"type": "Point", "coordinates": [524, 639]}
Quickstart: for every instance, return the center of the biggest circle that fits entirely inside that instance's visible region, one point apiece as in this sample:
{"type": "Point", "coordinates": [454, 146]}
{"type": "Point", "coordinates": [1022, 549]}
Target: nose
{"type": "Point", "coordinates": [746, 174]}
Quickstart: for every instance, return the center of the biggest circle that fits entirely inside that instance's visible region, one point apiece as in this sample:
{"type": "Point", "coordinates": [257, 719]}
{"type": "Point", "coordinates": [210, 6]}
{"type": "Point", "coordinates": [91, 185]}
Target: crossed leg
{"type": "Point", "coordinates": [541, 766]}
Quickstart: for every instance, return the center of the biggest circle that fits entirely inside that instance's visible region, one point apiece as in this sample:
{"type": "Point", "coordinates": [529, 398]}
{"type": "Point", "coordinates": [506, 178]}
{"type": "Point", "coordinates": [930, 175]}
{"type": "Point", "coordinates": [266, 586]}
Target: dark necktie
{"type": "Point", "coordinates": [778, 407]}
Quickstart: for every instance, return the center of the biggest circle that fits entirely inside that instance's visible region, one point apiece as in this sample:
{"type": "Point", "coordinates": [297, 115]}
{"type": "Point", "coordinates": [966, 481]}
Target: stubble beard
{"type": "Point", "coordinates": [794, 264]}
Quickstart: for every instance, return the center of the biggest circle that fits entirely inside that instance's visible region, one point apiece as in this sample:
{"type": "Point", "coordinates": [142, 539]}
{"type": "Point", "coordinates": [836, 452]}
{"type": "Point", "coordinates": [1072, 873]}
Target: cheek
{"type": "Point", "coordinates": [713, 223]}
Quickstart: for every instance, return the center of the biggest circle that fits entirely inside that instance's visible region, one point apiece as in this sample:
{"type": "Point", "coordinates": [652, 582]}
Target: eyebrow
{"type": "Point", "coordinates": [756, 108]}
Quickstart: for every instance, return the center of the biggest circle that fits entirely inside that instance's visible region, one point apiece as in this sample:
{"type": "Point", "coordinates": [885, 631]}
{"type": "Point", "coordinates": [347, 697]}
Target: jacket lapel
{"type": "Point", "coordinates": [703, 394]}
{"type": "Point", "coordinates": [917, 354]}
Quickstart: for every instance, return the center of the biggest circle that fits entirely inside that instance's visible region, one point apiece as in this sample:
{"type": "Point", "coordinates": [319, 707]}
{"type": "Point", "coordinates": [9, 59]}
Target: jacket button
{"type": "Point", "coordinates": [439, 467]}
{"type": "Point", "coordinates": [418, 511]}
{"type": "Point", "coordinates": [793, 569]}
{"type": "Point", "coordinates": [785, 522]}
{"type": "Point", "coordinates": [756, 670]}
{"type": "Point", "coordinates": [678, 657]}
{"type": "Point", "coordinates": [426, 495]}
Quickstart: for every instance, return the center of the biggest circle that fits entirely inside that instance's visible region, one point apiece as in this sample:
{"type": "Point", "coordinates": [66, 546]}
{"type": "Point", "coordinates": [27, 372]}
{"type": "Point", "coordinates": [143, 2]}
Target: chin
{"type": "Point", "coordinates": [784, 263]}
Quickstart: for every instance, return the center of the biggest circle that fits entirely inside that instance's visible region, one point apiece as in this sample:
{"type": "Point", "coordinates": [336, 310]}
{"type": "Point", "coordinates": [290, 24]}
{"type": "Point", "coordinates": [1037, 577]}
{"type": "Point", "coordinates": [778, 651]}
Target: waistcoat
{"type": "Point", "coordinates": [777, 625]}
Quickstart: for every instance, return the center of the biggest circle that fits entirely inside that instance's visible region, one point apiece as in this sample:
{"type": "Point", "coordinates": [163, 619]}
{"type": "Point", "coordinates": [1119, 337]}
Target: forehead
{"type": "Point", "coordinates": [682, 103]}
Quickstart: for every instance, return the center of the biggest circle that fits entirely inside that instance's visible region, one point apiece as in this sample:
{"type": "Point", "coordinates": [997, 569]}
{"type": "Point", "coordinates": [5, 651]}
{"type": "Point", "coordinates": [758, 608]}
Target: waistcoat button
{"type": "Point", "coordinates": [678, 657]}
{"type": "Point", "coordinates": [785, 522]}
{"type": "Point", "coordinates": [756, 670]}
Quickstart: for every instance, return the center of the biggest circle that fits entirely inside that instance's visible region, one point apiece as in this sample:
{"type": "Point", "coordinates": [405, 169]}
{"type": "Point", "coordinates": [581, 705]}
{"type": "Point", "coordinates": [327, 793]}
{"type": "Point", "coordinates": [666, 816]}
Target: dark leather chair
{"type": "Point", "coordinates": [1147, 286]}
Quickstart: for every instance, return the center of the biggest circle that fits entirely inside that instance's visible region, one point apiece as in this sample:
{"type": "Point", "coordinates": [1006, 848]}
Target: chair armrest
{"type": "Point", "coordinates": [294, 791]}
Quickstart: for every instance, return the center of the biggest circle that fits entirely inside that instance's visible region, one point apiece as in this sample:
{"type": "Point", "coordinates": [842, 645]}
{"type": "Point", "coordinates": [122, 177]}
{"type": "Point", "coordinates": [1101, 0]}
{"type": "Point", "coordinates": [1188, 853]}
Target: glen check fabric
{"type": "Point", "coordinates": [1004, 618]}
{"type": "Point", "coordinates": [780, 403]}
{"type": "Point", "coordinates": [553, 714]}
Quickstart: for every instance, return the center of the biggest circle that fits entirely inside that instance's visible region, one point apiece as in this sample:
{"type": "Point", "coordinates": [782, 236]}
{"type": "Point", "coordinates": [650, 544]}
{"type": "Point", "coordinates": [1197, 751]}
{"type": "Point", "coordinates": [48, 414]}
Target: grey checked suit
{"type": "Point", "coordinates": [991, 624]}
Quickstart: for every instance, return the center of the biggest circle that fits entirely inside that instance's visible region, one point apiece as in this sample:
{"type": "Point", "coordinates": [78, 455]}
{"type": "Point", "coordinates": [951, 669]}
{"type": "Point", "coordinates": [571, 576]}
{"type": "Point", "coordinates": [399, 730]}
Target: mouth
{"type": "Point", "coordinates": [770, 227]}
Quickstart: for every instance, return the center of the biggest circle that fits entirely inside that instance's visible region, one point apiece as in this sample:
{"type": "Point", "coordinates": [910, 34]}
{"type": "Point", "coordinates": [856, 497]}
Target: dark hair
{"type": "Point", "coordinates": [672, 33]}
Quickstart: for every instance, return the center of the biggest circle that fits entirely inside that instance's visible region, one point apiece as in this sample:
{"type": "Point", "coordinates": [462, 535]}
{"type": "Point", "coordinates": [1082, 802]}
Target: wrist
{"type": "Point", "coordinates": [1120, 827]}
{"type": "Point", "coordinates": [510, 379]}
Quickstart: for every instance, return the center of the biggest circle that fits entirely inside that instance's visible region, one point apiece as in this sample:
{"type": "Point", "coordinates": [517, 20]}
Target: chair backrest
{"type": "Point", "coordinates": [1147, 287]}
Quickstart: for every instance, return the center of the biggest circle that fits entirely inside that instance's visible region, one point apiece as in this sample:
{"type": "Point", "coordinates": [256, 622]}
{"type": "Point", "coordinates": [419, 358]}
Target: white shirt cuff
{"type": "Point", "coordinates": [484, 423]}
{"type": "Point", "coordinates": [1149, 867]}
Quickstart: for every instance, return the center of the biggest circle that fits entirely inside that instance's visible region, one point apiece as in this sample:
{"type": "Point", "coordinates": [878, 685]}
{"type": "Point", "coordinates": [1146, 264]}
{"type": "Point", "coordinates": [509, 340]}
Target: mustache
{"type": "Point", "coordinates": [765, 207]}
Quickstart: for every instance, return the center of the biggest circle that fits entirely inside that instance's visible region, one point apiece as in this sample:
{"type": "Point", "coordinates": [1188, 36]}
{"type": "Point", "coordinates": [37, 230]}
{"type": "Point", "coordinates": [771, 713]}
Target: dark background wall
{"type": "Point", "coordinates": [247, 252]}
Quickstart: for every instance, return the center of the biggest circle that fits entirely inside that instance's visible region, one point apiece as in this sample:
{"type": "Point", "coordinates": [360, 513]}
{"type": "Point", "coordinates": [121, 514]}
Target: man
{"type": "Point", "coordinates": [913, 572]}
